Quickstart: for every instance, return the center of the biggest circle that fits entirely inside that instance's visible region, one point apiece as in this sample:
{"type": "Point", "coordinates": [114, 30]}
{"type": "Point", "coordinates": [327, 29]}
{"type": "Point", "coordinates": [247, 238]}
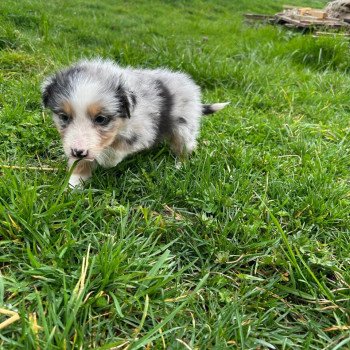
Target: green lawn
{"type": "Point", "coordinates": [244, 247]}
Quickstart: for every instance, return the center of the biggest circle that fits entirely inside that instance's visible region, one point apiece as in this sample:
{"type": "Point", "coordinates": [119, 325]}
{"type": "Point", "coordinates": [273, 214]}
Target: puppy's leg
{"type": "Point", "coordinates": [117, 158]}
{"type": "Point", "coordinates": [183, 141]}
{"type": "Point", "coordinates": [180, 147]}
{"type": "Point", "coordinates": [81, 173]}
{"type": "Point", "coordinates": [111, 157]}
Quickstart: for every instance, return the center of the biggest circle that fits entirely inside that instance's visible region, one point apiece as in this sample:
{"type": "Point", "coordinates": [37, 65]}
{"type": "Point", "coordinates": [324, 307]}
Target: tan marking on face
{"type": "Point", "coordinates": [67, 108]}
{"type": "Point", "coordinates": [94, 110]}
{"type": "Point", "coordinates": [108, 137]}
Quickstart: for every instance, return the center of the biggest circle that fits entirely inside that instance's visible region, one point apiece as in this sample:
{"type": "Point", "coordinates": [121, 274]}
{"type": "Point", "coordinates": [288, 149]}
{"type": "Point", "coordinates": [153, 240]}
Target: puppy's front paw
{"type": "Point", "coordinates": [76, 182]}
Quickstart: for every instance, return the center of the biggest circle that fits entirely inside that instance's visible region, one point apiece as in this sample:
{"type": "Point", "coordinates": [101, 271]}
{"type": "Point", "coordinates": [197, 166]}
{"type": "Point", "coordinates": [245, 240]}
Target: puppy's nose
{"type": "Point", "coordinates": [79, 153]}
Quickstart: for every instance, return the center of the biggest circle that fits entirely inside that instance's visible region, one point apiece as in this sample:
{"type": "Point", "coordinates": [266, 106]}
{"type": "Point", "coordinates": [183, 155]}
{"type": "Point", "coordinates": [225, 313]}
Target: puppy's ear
{"type": "Point", "coordinates": [47, 90]}
{"type": "Point", "coordinates": [126, 99]}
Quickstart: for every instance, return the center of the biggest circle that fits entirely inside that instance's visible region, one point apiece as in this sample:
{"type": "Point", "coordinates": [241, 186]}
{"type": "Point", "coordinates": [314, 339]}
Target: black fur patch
{"type": "Point", "coordinates": [165, 124]}
{"type": "Point", "coordinates": [60, 85]}
{"type": "Point", "coordinates": [133, 99]}
{"type": "Point", "coordinates": [121, 95]}
{"type": "Point", "coordinates": [182, 120]}
{"type": "Point", "coordinates": [49, 92]}
{"type": "Point", "coordinates": [206, 109]}
{"type": "Point", "coordinates": [133, 139]}
{"type": "Point", "coordinates": [129, 140]}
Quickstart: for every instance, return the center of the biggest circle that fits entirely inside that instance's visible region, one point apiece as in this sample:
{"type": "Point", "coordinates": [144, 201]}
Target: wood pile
{"type": "Point", "coordinates": [339, 9]}
{"type": "Point", "coordinates": [303, 18]}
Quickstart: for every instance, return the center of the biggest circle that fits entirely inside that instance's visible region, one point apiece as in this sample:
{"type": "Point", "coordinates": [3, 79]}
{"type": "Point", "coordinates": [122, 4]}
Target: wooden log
{"type": "Point", "coordinates": [281, 17]}
{"type": "Point", "coordinates": [257, 17]}
{"type": "Point", "coordinates": [318, 33]}
{"type": "Point", "coordinates": [316, 13]}
{"type": "Point", "coordinates": [306, 18]}
{"type": "Point", "coordinates": [308, 22]}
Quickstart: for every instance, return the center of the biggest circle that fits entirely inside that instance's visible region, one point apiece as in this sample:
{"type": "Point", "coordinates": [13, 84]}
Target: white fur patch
{"type": "Point", "coordinates": [218, 106]}
{"type": "Point", "coordinates": [75, 181]}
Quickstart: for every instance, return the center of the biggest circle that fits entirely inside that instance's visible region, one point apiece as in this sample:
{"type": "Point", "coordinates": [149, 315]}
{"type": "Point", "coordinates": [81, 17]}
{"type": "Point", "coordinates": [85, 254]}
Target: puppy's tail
{"type": "Point", "coordinates": [210, 109]}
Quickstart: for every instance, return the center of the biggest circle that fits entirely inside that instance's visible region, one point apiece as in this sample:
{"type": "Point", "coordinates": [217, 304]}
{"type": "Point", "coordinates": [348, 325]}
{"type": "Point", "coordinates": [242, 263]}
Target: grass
{"type": "Point", "coordinates": [245, 247]}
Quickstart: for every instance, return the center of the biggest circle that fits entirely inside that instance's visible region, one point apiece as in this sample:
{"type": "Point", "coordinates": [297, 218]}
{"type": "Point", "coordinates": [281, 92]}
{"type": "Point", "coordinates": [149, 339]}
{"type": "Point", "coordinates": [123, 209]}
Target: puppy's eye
{"type": "Point", "coordinates": [64, 118]}
{"type": "Point", "coordinates": [102, 120]}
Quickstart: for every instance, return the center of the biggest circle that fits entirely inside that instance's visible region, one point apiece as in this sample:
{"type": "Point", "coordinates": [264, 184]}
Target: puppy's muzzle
{"type": "Point", "coordinates": [79, 153]}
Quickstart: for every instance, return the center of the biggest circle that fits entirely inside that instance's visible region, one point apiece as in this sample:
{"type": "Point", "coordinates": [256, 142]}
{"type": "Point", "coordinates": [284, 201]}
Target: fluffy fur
{"type": "Point", "coordinates": [105, 112]}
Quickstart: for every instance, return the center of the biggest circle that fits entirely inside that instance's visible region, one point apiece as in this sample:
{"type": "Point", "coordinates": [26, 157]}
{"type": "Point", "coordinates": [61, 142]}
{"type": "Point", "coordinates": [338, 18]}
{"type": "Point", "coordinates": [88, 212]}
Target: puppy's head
{"type": "Point", "coordinates": [90, 105]}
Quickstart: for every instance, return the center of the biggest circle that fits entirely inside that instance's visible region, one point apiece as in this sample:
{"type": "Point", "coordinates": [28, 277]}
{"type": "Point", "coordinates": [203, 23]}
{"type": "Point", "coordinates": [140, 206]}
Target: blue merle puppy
{"type": "Point", "coordinates": [105, 112]}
